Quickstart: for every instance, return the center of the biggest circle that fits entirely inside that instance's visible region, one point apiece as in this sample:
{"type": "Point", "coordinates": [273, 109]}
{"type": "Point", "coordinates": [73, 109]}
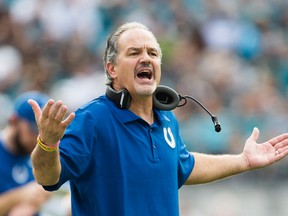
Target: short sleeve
{"type": "Point", "coordinates": [185, 165]}
{"type": "Point", "coordinates": [75, 149]}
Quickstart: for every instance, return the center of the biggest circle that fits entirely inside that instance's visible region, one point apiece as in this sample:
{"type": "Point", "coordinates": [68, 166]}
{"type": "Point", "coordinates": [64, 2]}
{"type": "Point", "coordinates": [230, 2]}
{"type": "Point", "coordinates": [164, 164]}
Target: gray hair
{"type": "Point", "coordinates": [111, 50]}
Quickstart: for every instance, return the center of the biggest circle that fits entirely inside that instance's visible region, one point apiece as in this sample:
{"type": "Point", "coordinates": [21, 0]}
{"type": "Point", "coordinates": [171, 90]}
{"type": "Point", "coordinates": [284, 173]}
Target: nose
{"type": "Point", "coordinates": [145, 58]}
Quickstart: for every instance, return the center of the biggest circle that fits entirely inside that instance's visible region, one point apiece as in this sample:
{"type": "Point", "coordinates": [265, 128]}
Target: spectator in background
{"type": "Point", "coordinates": [19, 193]}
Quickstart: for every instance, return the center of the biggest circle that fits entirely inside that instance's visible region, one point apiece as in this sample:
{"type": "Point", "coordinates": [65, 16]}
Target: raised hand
{"type": "Point", "coordinates": [264, 154]}
{"type": "Point", "coordinates": [51, 120]}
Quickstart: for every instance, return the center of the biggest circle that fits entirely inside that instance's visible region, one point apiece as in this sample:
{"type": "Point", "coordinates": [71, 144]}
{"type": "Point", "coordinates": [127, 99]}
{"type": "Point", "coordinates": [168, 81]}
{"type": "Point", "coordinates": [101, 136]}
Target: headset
{"type": "Point", "coordinates": [164, 98]}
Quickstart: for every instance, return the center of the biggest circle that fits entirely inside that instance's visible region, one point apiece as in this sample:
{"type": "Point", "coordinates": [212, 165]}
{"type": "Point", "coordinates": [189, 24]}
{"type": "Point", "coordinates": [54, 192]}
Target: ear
{"type": "Point", "coordinates": [12, 119]}
{"type": "Point", "coordinates": [110, 67]}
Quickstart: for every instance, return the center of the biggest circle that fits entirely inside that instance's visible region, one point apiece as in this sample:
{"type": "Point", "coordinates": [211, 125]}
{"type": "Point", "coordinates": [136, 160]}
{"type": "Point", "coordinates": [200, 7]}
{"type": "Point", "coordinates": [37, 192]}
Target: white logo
{"type": "Point", "coordinates": [171, 141]}
{"type": "Point", "coordinates": [20, 174]}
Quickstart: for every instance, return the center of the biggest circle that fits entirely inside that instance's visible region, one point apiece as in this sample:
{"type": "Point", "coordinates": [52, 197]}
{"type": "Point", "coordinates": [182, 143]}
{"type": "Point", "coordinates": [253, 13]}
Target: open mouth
{"type": "Point", "coordinates": [144, 74]}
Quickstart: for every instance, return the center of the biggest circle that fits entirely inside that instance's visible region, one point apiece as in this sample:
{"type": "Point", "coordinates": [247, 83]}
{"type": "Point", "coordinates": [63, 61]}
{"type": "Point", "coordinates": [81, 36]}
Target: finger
{"type": "Point", "coordinates": [55, 110]}
{"type": "Point", "coordinates": [62, 112]}
{"type": "Point", "coordinates": [281, 153]}
{"type": "Point", "coordinates": [36, 108]}
{"type": "Point", "coordinates": [281, 144]}
{"type": "Point", "coordinates": [281, 150]}
{"type": "Point", "coordinates": [47, 107]}
{"type": "Point", "coordinates": [255, 134]}
{"type": "Point", "coordinates": [68, 120]}
{"type": "Point", "coordinates": [280, 139]}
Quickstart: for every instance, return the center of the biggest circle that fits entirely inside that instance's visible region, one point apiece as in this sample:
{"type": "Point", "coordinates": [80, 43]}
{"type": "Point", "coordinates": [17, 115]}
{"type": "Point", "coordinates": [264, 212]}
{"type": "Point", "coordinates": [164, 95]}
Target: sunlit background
{"type": "Point", "coordinates": [232, 55]}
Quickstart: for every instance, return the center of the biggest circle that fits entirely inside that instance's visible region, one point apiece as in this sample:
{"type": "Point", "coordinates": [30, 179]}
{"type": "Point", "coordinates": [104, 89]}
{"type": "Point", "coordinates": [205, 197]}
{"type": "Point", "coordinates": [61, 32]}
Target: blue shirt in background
{"type": "Point", "coordinates": [15, 170]}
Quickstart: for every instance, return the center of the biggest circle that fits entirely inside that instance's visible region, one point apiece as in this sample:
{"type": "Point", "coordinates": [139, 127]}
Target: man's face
{"type": "Point", "coordinates": [25, 137]}
{"type": "Point", "coordinates": [138, 67]}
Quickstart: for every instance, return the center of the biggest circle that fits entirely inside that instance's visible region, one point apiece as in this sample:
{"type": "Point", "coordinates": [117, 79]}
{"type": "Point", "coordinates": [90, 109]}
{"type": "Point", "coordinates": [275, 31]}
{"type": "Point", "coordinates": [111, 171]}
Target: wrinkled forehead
{"type": "Point", "coordinates": [137, 38]}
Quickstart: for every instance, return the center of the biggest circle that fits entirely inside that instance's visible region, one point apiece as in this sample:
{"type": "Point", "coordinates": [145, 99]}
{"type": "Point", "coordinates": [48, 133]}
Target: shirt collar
{"type": "Point", "coordinates": [125, 115]}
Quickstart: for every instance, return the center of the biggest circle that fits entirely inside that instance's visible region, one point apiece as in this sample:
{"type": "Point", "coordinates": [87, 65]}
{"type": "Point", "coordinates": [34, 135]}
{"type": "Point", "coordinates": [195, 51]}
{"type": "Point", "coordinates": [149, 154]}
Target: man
{"type": "Point", "coordinates": [130, 160]}
{"type": "Point", "coordinates": [19, 193]}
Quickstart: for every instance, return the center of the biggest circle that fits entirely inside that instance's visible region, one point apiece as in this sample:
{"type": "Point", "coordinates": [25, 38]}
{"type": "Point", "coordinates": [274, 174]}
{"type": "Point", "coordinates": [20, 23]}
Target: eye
{"type": "Point", "coordinates": [133, 53]}
{"type": "Point", "coordinates": [154, 54]}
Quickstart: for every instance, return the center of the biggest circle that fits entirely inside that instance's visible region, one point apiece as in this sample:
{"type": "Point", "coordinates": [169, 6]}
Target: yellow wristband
{"type": "Point", "coordinates": [47, 148]}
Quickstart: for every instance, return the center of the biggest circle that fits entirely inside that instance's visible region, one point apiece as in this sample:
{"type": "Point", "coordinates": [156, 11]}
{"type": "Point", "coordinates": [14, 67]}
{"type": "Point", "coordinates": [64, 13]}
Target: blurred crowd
{"type": "Point", "coordinates": [230, 55]}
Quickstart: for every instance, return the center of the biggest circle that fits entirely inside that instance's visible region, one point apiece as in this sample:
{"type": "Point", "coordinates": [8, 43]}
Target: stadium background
{"type": "Point", "coordinates": [231, 55]}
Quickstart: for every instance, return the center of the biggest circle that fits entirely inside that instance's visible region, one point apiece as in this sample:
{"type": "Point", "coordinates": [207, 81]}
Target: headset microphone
{"type": "Point", "coordinates": [166, 98]}
{"type": "Point", "coordinates": [216, 123]}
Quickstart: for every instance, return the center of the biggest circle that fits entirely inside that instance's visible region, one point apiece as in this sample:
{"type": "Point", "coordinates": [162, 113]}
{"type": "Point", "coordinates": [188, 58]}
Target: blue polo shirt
{"type": "Point", "coordinates": [15, 171]}
{"type": "Point", "coordinates": [118, 164]}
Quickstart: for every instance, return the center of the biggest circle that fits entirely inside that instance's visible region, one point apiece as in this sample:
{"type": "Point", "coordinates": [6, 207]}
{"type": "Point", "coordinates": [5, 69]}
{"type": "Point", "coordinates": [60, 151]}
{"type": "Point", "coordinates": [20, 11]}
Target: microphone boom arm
{"type": "Point", "coordinates": [213, 117]}
{"type": "Point", "coordinates": [166, 98]}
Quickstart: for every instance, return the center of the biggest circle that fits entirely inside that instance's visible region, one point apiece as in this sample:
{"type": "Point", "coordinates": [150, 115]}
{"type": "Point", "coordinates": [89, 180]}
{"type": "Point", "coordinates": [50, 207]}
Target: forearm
{"type": "Point", "coordinates": [8, 200]}
{"type": "Point", "coordinates": [46, 166]}
{"type": "Point", "coordinates": [29, 196]}
{"type": "Point", "coordinates": [209, 168]}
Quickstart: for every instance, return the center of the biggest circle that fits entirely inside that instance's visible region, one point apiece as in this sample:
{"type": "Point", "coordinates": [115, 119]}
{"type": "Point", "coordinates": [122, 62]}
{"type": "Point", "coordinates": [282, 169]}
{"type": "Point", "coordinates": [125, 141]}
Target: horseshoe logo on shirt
{"type": "Point", "coordinates": [170, 140]}
{"type": "Point", "coordinates": [20, 174]}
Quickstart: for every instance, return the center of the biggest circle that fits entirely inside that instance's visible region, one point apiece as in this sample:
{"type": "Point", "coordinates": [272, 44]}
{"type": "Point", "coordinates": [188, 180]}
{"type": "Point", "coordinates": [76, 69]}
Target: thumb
{"type": "Point", "coordinates": [36, 108]}
{"type": "Point", "coordinates": [255, 134]}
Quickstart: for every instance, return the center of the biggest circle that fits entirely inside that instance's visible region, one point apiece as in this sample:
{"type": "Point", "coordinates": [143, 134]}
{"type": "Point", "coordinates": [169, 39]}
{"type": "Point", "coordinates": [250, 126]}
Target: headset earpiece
{"type": "Point", "coordinates": [165, 98]}
{"type": "Point", "coordinates": [121, 98]}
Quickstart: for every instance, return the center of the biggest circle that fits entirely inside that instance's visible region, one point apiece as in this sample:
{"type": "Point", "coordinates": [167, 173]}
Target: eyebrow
{"type": "Point", "coordinates": [140, 48]}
